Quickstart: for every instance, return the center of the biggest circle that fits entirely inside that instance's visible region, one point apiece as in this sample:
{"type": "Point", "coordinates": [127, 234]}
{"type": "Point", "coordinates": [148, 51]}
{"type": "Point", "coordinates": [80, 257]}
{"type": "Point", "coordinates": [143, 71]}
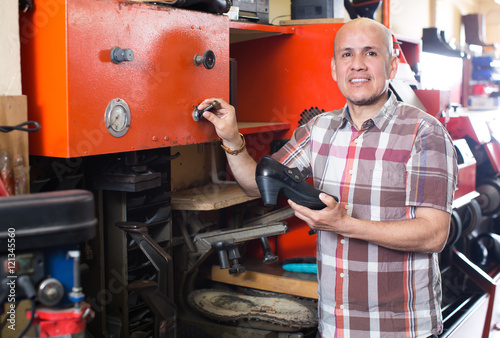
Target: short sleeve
{"type": "Point", "coordinates": [432, 168]}
{"type": "Point", "coordinates": [296, 152]}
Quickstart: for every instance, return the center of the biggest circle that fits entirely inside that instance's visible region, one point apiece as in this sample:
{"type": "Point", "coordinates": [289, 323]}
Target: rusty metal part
{"type": "Point", "coordinates": [284, 313]}
{"type": "Point", "coordinates": [203, 243]}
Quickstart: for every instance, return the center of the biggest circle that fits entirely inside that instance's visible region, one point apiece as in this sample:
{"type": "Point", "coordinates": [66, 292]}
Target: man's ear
{"type": "Point", "coordinates": [394, 67]}
{"type": "Point", "coordinates": [334, 70]}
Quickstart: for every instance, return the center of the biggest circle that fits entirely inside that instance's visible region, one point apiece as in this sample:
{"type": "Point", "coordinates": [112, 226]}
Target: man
{"type": "Point", "coordinates": [394, 170]}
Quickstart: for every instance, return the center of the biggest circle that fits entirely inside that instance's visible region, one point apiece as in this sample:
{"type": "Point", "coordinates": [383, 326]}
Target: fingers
{"type": "Point", "coordinates": [300, 211]}
{"type": "Point", "coordinates": [223, 116]}
{"type": "Point", "coordinates": [210, 101]}
{"type": "Point", "coordinates": [328, 200]}
{"type": "Point", "coordinates": [323, 219]}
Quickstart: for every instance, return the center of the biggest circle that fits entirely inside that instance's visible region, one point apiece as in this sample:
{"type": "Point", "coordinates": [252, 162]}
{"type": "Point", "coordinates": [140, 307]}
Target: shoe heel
{"type": "Point", "coordinates": [269, 189]}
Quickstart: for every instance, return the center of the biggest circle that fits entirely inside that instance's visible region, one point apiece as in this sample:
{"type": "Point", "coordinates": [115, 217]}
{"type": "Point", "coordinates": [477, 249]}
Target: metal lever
{"type": "Point", "coordinates": [197, 113]}
{"type": "Point", "coordinates": [203, 243]}
{"type": "Point", "coordinates": [208, 59]}
{"type": "Point", "coordinates": [269, 256]}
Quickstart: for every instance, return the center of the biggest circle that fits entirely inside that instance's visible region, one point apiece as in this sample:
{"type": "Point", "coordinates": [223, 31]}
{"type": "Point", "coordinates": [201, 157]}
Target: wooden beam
{"type": "Point", "coordinates": [267, 282]}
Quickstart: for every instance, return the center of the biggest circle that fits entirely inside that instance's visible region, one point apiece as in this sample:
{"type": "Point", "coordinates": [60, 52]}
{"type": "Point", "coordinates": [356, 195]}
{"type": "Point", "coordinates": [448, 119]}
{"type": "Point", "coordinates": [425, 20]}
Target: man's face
{"type": "Point", "coordinates": [362, 65]}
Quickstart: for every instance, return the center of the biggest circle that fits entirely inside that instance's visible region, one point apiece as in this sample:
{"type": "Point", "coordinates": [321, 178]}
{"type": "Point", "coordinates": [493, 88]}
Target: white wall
{"type": "Point", "coordinates": [409, 17]}
{"type": "Point", "coordinates": [10, 65]}
{"type": "Point", "coordinates": [492, 20]}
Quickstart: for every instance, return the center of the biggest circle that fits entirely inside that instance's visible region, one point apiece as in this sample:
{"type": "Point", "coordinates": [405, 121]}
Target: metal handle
{"type": "Point", "coordinates": [208, 59]}
{"type": "Point", "coordinates": [119, 55]}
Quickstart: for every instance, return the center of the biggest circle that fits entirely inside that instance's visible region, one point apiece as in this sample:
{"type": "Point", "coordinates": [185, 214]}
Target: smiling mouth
{"type": "Point", "coordinates": [358, 80]}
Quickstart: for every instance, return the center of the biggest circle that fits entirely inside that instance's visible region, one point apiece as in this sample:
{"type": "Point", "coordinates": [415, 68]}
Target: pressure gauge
{"type": "Point", "coordinates": [117, 117]}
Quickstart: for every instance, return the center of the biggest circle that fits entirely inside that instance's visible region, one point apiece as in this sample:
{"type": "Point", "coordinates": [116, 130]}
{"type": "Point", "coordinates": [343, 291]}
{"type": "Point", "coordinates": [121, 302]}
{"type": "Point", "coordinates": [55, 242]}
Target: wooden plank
{"type": "Point", "coordinates": [310, 21]}
{"type": "Point", "coordinates": [13, 111]}
{"type": "Point", "coordinates": [267, 282]}
{"type": "Point", "coordinates": [258, 127]}
{"type": "Point", "coordinates": [244, 31]}
{"type": "Point", "coordinates": [209, 197]}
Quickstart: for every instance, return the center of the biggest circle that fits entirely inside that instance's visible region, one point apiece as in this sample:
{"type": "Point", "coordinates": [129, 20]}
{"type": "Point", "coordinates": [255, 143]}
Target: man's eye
{"type": "Point", "coordinates": [346, 54]}
{"type": "Point", "coordinates": [371, 53]}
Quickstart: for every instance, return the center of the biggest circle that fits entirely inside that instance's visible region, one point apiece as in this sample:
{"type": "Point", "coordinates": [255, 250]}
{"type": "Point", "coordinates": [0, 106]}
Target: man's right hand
{"type": "Point", "coordinates": [223, 117]}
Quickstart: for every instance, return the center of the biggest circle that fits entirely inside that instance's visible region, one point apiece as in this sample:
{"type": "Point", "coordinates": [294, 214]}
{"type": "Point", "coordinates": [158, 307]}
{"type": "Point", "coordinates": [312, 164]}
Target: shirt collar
{"type": "Point", "coordinates": [381, 119]}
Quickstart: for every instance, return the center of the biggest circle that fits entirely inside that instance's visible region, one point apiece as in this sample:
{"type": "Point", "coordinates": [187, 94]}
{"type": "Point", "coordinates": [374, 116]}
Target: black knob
{"type": "Point", "coordinates": [234, 255]}
{"type": "Point", "coordinates": [220, 247]}
{"type": "Point", "coordinates": [208, 59]}
{"type": "Point", "coordinates": [269, 256]}
{"type": "Point", "coordinates": [120, 54]}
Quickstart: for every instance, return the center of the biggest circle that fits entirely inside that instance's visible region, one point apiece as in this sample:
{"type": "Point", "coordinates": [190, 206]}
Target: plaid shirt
{"type": "Point", "coordinates": [402, 158]}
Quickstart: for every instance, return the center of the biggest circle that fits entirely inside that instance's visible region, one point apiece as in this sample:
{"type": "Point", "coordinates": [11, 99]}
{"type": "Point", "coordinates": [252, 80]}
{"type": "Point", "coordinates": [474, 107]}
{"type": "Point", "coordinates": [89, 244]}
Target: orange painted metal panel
{"type": "Point", "coordinates": [69, 77]}
{"type": "Point", "coordinates": [278, 78]}
{"type": "Point", "coordinates": [281, 76]}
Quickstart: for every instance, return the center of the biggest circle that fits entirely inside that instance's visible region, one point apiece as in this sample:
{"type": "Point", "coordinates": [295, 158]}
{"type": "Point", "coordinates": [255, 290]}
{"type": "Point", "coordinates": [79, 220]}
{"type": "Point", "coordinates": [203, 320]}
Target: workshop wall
{"type": "Point", "coordinates": [492, 13]}
{"type": "Point", "coordinates": [10, 67]}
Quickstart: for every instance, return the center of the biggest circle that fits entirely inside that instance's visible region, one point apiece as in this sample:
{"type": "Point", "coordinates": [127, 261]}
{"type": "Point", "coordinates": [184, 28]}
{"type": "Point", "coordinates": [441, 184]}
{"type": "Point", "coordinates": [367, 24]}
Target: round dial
{"type": "Point", "coordinates": [117, 117]}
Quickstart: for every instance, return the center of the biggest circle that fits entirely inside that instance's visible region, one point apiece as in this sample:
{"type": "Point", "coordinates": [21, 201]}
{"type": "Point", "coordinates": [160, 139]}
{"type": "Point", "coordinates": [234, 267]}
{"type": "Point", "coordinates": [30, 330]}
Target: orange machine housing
{"type": "Point", "coordinates": [280, 77]}
{"type": "Point", "coordinates": [69, 77]}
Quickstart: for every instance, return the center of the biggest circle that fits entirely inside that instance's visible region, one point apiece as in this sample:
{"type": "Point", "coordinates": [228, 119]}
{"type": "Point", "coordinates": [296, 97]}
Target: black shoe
{"type": "Point", "coordinates": [273, 178]}
{"type": "Point", "coordinates": [433, 41]}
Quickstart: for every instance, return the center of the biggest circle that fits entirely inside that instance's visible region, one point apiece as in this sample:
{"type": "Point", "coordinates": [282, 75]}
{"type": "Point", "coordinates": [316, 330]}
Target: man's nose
{"type": "Point", "coordinates": [358, 62]}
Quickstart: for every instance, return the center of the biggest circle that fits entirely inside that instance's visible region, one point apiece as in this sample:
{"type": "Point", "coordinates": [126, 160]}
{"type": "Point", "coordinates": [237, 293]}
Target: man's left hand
{"type": "Point", "coordinates": [329, 218]}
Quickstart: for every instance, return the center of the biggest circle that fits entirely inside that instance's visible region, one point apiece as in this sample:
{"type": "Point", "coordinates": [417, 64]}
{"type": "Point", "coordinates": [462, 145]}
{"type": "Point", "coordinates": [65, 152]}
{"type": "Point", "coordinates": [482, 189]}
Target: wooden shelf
{"type": "Point", "coordinates": [209, 197]}
{"type": "Point", "coordinates": [244, 31]}
{"type": "Point", "coordinates": [259, 127]}
{"type": "Point", "coordinates": [217, 196]}
{"type": "Point", "coordinates": [320, 21]}
{"type": "Point", "coordinates": [265, 277]}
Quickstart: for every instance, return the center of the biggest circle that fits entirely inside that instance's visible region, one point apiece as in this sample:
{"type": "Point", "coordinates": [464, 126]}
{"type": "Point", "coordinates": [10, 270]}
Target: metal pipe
{"type": "Point", "coordinates": [386, 16]}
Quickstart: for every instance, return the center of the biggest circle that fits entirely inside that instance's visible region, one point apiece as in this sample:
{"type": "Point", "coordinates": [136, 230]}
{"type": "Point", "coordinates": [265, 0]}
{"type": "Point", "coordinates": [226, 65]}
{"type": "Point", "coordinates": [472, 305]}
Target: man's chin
{"type": "Point", "coordinates": [364, 101]}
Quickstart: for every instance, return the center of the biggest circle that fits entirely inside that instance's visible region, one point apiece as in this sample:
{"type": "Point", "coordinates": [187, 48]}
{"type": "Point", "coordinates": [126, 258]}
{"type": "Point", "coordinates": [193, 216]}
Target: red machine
{"type": "Point", "coordinates": [110, 76]}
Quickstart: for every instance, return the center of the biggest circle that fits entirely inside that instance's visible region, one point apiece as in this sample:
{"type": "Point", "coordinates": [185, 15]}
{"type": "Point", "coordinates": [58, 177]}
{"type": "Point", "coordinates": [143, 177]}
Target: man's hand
{"type": "Point", "coordinates": [223, 117]}
{"type": "Point", "coordinates": [329, 218]}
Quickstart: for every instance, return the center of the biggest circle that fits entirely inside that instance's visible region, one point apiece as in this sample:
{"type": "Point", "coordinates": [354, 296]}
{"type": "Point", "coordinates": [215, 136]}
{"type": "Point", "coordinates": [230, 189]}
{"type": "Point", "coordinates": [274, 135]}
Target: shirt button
{"type": "Point", "coordinates": [342, 307]}
{"type": "Point", "coordinates": [347, 207]}
{"type": "Point", "coordinates": [350, 171]}
{"type": "Point", "coordinates": [342, 241]}
{"type": "Point", "coordinates": [341, 275]}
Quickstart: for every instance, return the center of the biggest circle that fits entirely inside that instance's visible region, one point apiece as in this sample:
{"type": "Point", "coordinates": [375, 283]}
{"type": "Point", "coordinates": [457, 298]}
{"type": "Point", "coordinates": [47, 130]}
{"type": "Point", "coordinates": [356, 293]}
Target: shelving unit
{"type": "Point", "coordinates": [209, 197]}
{"type": "Point", "coordinates": [259, 127]}
{"type": "Point", "coordinates": [243, 31]}
{"type": "Point", "coordinates": [218, 196]}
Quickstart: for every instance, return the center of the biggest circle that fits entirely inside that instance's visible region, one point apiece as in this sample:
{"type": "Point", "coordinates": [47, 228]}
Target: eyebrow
{"type": "Point", "coordinates": [363, 48]}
